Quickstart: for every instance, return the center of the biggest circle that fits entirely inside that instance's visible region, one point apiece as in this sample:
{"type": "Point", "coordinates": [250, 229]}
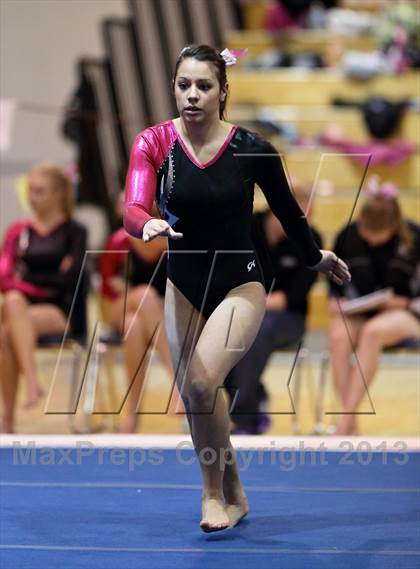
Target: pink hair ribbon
{"type": "Point", "coordinates": [231, 55]}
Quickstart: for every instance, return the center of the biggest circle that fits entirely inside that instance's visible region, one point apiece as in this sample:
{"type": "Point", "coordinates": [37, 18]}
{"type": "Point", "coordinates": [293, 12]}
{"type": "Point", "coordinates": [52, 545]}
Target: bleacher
{"type": "Point", "coordinates": [302, 99]}
{"type": "Point", "coordinates": [299, 98]}
{"type": "Point", "coordinates": [318, 87]}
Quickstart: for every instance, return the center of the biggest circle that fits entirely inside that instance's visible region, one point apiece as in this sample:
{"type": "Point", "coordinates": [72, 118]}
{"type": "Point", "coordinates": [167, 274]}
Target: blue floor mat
{"type": "Point", "coordinates": [307, 510]}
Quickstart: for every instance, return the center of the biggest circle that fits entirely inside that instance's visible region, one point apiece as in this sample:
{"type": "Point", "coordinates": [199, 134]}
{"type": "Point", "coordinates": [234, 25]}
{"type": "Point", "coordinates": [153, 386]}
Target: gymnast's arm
{"type": "Point", "coordinates": [337, 293]}
{"type": "Point", "coordinates": [300, 285]}
{"type": "Point", "coordinates": [140, 188]}
{"type": "Point", "coordinates": [270, 176]}
{"type": "Point", "coordinates": [140, 192]}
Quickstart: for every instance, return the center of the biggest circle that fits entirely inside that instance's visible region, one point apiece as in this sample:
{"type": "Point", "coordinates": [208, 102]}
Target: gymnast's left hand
{"type": "Point", "coordinates": [155, 227]}
{"type": "Point", "coordinates": [334, 267]}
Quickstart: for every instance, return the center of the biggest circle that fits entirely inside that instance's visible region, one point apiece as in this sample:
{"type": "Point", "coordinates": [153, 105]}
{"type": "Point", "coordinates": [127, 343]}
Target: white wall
{"type": "Point", "coordinates": [40, 42]}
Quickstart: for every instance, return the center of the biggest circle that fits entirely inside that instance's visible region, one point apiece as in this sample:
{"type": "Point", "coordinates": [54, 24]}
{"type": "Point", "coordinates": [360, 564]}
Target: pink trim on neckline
{"type": "Point", "coordinates": [212, 160]}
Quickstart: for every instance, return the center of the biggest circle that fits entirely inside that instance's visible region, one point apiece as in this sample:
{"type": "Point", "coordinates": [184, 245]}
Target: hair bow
{"type": "Point", "coordinates": [386, 191]}
{"type": "Point", "coordinates": [231, 55]}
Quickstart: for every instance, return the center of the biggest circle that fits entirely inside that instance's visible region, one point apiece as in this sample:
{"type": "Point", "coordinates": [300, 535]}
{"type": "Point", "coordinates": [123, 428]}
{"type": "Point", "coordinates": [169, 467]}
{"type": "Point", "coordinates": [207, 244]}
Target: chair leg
{"type": "Point", "coordinates": [90, 390]}
{"type": "Point", "coordinates": [102, 357]}
{"type": "Point", "coordinates": [78, 352]}
{"type": "Point", "coordinates": [297, 388]}
{"type": "Point", "coordinates": [320, 401]}
{"type": "Point", "coordinates": [109, 363]}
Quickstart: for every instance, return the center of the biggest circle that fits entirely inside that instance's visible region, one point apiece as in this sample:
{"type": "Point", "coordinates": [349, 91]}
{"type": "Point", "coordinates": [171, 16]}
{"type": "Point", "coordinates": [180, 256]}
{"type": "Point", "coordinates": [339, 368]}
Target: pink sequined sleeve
{"type": "Point", "coordinates": [147, 155]}
{"type": "Point", "coordinates": [140, 187]}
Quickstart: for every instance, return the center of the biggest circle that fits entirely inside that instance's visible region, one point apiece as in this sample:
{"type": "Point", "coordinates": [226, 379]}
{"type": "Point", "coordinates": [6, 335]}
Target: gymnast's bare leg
{"type": "Point", "coordinates": [203, 353]}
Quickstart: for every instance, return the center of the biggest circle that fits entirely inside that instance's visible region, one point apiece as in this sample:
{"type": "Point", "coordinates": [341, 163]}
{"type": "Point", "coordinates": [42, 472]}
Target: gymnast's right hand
{"type": "Point", "coordinates": [155, 227]}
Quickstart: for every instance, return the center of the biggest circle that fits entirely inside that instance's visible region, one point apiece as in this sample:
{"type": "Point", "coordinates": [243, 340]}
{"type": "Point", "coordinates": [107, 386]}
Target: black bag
{"type": "Point", "coordinates": [382, 117]}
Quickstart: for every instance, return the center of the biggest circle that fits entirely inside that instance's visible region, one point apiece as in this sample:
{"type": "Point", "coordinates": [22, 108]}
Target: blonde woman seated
{"type": "Point", "coordinates": [382, 251]}
{"type": "Point", "coordinates": [136, 312]}
{"type": "Point", "coordinates": [40, 262]}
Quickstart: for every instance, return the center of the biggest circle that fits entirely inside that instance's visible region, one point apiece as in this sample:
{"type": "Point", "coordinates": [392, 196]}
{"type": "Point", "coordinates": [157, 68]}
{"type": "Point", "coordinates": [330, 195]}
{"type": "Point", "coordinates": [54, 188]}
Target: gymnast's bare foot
{"type": "Point", "coordinates": [236, 504]}
{"type": "Point", "coordinates": [236, 512]}
{"type": "Point", "coordinates": [214, 516]}
{"type": "Point", "coordinates": [35, 394]}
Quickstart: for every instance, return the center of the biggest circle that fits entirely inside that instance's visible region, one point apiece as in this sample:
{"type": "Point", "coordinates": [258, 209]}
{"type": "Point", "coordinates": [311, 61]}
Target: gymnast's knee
{"type": "Point", "coordinates": [200, 395]}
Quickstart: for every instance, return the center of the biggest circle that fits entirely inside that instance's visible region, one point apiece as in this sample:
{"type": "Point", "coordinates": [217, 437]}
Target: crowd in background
{"type": "Point", "coordinates": [41, 261]}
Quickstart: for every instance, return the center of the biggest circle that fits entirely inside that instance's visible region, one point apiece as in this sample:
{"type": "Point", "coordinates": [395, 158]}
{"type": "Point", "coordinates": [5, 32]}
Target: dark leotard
{"type": "Point", "coordinates": [30, 262]}
{"type": "Point", "coordinates": [211, 204]}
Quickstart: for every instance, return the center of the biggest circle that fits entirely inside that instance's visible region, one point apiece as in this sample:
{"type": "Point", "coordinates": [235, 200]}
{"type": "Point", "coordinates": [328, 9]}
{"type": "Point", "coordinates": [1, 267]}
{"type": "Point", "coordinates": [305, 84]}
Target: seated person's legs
{"type": "Point", "coordinates": [24, 323]}
{"type": "Point", "coordinates": [385, 329]}
{"type": "Point", "coordinates": [343, 334]}
{"type": "Point", "coordinates": [8, 382]}
{"type": "Point", "coordinates": [17, 345]}
{"type": "Point", "coordinates": [144, 328]}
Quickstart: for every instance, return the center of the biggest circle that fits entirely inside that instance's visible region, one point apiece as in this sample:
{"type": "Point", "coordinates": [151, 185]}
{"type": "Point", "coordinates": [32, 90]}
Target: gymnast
{"type": "Point", "coordinates": [201, 170]}
{"type": "Point", "coordinates": [40, 262]}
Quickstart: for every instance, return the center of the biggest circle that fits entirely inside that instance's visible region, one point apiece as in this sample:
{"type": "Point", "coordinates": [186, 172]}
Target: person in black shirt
{"type": "Point", "coordinates": [40, 262]}
{"type": "Point", "coordinates": [287, 283]}
{"type": "Point", "coordinates": [382, 250]}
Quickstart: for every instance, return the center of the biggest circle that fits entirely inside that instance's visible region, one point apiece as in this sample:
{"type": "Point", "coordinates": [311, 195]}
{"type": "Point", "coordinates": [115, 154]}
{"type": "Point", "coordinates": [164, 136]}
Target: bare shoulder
{"type": "Point", "coordinates": [228, 126]}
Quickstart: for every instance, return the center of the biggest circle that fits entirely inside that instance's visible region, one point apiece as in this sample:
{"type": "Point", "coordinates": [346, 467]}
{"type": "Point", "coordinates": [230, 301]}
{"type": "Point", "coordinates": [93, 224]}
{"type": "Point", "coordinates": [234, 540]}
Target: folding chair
{"type": "Point", "coordinates": [104, 352]}
{"type": "Point", "coordinates": [302, 354]}
{"type": "Point", "coordinates": [73, 341]}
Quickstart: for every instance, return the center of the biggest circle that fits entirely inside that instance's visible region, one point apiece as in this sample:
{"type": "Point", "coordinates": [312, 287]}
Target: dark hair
{"type": "Point", "coordinates": [205, 53]}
